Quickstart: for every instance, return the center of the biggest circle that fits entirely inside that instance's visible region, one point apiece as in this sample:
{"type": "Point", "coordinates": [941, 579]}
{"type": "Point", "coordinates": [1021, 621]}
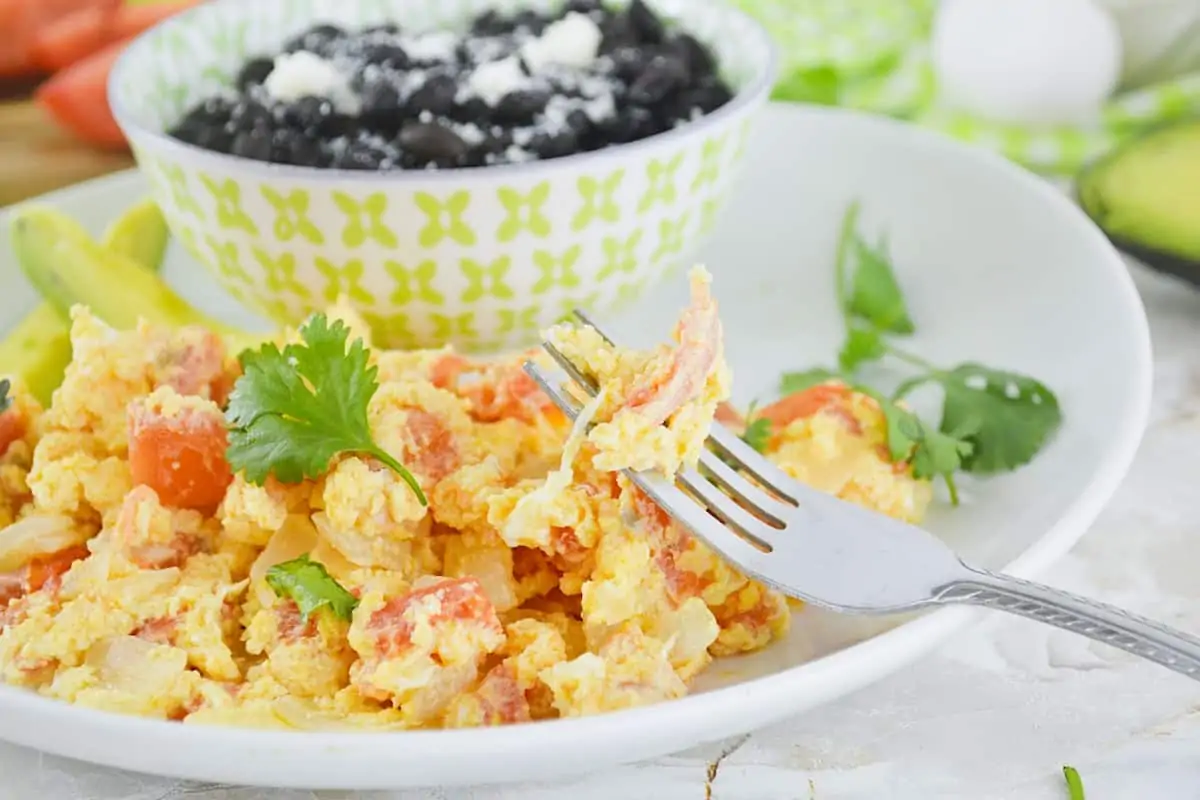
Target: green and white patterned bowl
{"type": "Point", "coordinates": [479, 258]}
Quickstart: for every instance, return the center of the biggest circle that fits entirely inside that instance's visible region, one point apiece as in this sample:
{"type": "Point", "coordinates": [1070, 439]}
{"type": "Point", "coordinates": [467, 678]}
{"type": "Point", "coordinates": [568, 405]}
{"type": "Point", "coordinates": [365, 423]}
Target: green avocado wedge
{"type": "Point", "coordinates": [1145, 196]}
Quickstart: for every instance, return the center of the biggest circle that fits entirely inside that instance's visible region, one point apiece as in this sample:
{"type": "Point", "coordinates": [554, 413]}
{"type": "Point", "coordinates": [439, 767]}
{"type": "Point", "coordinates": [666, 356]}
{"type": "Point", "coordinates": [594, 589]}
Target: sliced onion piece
{"type": "Point", "coordinates": [40, 535]}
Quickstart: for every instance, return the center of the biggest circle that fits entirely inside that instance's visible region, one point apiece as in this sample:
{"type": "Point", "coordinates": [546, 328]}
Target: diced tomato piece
{"type": "Point", "coordinates": [77, 98]}
{"type": "Point", "coordinates": [501, 698]}
{"type": "Point", "coordinates": [43, 571]}
{"type": "Point", "coordinates": [77, 35]}
{"type": "Point", "coordinates": [160, 630]}
{"type": "Point", "coordinates": [180, 456]}
{"type": "Point", "coordinates": [731, 418]}
{"type": "Point", "coordinates": [195, 365]}
{"type": "Point", "coordinates": [291, 626]}
{"type": "Point", "coordinates": [12, 428]}
{"type": "Point", "coordinates": [434, 450]}
{"type": "Point", "coordinates": [460, 599]}
{"type": "Point", "coordinates": [807, 403]}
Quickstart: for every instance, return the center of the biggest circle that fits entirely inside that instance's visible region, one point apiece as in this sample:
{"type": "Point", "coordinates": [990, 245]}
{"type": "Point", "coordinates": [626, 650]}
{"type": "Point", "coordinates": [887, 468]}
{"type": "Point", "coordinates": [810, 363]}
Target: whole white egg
{"type": "Point", "coordinates": [1036, 62]}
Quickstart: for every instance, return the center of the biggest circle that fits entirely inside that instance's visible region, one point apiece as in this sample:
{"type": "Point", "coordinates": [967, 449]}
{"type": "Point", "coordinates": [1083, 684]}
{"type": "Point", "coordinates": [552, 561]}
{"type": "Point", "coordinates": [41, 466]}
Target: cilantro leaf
{"type": "Point", "coordinates": [1007, 417]}
{"type": "Point", "coordinates": [757, 433]}
{"type": "Point", "coordinates": [310, 585]}
{"type": "Point", "coordinates": [793, 382]}
{"type": "Point", "coordinates": [873, 293]}
{"type": "Point", "coordinates": [931, 452]}
{"type": "Point", "coordinates": [1074, 784]}
{"type": "Point", "coordinates": [5, 400]}
{"type": "Point", "coordinates": [862, 345]}
{"type": "Point", "coordinates": [293, 410]}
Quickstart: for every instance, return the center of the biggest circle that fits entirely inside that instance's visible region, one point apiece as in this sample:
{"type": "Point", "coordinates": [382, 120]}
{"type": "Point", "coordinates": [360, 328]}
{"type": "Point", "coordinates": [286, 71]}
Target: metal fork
{"type": "Point", "coordinates": [837, 555]}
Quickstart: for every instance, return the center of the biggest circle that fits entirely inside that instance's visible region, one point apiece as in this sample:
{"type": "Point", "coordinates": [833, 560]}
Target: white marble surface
{"type": "Point", "coordinates": [991, 716]}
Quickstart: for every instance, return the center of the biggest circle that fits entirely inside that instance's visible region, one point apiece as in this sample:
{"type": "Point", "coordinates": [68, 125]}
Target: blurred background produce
{"type": "Point", "coordinates": [55, 128]}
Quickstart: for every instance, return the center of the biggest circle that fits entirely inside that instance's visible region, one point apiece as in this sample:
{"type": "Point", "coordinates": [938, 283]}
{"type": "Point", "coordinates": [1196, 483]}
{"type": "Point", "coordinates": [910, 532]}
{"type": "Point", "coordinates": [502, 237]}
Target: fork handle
{"type": "Point", "coordinates": [1145, 638]}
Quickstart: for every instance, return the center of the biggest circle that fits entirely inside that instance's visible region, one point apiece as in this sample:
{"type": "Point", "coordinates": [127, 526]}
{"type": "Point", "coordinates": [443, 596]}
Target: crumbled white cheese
{"type": "Point", "coordinates": [470, 133]}
{"type": "Point", "coordinates": [516, 154]}
{"type": "Point", "coordinates": [572, 41]}
{"type": "Point", "coordinates": [493, 80]}
{"type": "Point", "coordinates": [305, 74]}
{"type": "Point", "coordinates": [432, 46]}
{"type": "Point", "coordinates": [601, 107]}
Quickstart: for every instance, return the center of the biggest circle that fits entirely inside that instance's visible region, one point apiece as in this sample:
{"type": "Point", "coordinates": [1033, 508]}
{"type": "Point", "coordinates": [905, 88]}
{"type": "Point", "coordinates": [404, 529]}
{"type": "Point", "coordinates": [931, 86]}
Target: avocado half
{"type": "Point", "coordinates": [1145, 196]}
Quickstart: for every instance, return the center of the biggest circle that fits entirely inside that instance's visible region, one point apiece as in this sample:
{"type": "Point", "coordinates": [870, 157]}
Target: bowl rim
{"type": "Point", "coordinates": [753, 93]}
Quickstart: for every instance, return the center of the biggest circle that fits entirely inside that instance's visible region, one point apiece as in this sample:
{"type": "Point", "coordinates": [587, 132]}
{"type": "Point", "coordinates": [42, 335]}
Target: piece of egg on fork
{"type": "Point", "coordinates": [1032, 62]}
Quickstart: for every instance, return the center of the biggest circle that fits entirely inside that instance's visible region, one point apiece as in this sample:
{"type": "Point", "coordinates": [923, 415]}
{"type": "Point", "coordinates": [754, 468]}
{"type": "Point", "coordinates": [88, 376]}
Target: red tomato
{"type": "Point", "coordinates": [181, 457]}
{"type": "Point", "coordinates": [77, 98]}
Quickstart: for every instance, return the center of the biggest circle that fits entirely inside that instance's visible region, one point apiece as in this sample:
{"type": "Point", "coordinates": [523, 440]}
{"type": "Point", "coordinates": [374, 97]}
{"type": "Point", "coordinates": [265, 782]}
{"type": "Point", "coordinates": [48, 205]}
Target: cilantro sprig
{"type": "Point", "coordinates": [1074, 784]}
{"type": "Point", "coordinates": [992, 420]}
{"type": "Point", "coordinates": [757, 433]}
{"type": "Point", "coordinates": [5, 399]}
{"type": "Point", "coordinates": [311, 587]}
{"type": "Point", "coordinates": [294, 409]}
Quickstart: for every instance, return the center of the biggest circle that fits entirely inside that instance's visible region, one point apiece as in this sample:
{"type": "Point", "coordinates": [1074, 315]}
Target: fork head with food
{"type": "Point", "coordinates": [797, 538]}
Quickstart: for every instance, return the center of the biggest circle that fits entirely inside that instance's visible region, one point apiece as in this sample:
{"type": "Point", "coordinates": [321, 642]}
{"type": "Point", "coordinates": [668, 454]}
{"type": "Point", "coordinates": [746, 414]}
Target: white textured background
{"type": "Point", "coordinates": [991, 716]}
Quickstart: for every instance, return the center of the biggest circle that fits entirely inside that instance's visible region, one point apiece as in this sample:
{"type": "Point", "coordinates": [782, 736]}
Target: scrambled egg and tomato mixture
{"type": "Point", "coordinates": [536, 583]}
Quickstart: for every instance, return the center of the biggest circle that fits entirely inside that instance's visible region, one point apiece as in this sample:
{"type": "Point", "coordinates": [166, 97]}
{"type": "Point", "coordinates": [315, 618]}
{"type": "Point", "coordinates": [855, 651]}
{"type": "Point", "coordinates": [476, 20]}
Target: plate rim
{"type": "Point", "coordinates": [894, 648]}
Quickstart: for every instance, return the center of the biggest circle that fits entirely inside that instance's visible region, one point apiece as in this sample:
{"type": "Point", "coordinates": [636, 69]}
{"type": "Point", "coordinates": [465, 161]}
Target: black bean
{"type": "Point", "coordinates": [630, 123]}
{"type": "Point", "coordinates": [248, 114]}
{"type": "Point", "coordinates": [528, 18]}
{"type": "Point", "coordinates": [310, 114]}
{"type": "Point", "coordinates": [390, 28]}
{"type": "Point", "coordinates": [663, 75]}
{"type": "Point", "coordinates": [695, 54]}
{"type": "Point", "coordinates": [708, 95]}
{"type": "Point", "coordinates": [387, 54]}
{"type": "Point", "coordinates": [254, 72]}
{"type": "Point", "coordinates": [473, 109]}
{"type": "Point", "coordinates": [430, 141]}
{"type": "Point", "coordinates": [382, 109]}
{"type": "Point", "coordinates": [255, 144]}
{"type": "Point", "coordinates": [490, 23]}
{"type": "Point", "coordinates": [436, 96]}
{"type": "Point", "coordinates": [617, 31]}
{"type": "Point", "coordinates": [293, 147]}
{"type": "Point", "coordinates": [582, 6]}
{"type": "Point", "coordinates": [218, 139]}
{"type": "Point", "coordinates": [521, 106]}
{"type": "Point", "coordinates": [316, 39]}
{"type": "Point", "coordinates": [645, 22]}
{"type": "Point", "coordinates": [580, 123]}
{"type": "Point", "coordinates": [629, 61]}
{"type": "Point", "coordinates": [358, 156]}
{"type": "Point", "coordinates": [554, 145]}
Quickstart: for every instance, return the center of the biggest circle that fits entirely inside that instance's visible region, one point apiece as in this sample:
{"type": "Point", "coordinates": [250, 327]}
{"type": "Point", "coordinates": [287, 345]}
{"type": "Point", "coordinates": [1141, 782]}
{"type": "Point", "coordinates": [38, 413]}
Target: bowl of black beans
{"type": "Point", "coordinates": [459, 173]}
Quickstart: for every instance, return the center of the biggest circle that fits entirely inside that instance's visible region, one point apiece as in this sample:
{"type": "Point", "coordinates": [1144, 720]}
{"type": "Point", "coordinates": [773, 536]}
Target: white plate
{"type": "Point", "coordinates": [998, 268]}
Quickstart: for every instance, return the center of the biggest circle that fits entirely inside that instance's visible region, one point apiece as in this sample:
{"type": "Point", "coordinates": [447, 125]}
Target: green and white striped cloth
{"type": "Point", "coordinates": [872, 55]}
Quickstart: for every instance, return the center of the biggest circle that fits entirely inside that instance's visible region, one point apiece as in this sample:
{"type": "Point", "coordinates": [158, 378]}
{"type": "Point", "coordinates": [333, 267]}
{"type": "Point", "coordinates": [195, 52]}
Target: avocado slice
{"type": "Point", "coordinates": [1145, 196]}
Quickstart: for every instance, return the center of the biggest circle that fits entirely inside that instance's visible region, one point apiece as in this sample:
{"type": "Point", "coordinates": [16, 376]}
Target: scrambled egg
{"type": "Point", "coordinates": [537, 583]}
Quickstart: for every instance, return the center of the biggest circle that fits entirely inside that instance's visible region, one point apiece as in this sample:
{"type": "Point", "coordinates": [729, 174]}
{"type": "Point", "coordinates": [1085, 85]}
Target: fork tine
{"type": "Point", "coordinates": [586, 319]}
{"type": "Point", "coordinates": [748, 459]}
{"type": "Point", "coordinates": [750, 558]}
{"type": "Point", "coordinates": [745, 551]}
{"type": "Point", "coordinates": [770, 508]}
{"type": "Point", "coordinates": [727, 509]}
{"type": "Point", "coordinates": [553, 390]}
{"type": "Point", "coordinates": [568, 366]}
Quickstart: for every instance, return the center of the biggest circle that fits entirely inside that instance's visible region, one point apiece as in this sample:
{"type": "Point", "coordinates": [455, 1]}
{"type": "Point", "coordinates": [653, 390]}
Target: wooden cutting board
{"type": "Point", "coordinates": [37, 157]}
